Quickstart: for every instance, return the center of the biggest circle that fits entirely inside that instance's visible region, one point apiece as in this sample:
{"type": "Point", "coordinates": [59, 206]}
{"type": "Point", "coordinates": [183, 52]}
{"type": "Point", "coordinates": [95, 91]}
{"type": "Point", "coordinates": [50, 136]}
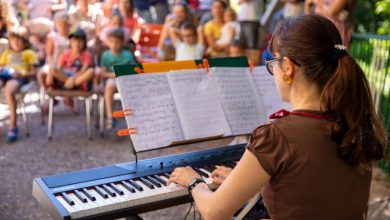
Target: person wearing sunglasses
{"type": "Point", "coordinates": [314, 162]}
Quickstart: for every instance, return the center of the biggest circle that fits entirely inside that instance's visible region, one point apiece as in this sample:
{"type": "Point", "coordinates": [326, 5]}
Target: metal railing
{"type": "Point", "coordinates": [372, 52]}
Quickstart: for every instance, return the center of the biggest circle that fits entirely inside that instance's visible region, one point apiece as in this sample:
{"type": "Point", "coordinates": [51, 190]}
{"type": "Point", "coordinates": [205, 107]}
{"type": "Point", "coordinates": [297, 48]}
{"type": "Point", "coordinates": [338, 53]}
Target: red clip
{"type": "Point", "coordinates": [122, 113]}
{"type": "Point", "coordinates": [251, 66]}
{"type": "Point", "coordinates": [138, 70]}
{"type": "Point", "coordinates": [206, 65]}
{"type": "Point", "coordinates": [200, 65]}
{"type": "Point", "coordinates": [126, 132]}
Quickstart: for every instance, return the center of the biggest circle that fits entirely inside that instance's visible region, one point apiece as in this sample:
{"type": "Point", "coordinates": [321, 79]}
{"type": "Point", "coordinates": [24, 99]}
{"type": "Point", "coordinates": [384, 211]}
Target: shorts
{"type": "Point", "coordinates": [249, 36]}
{"type": "Point", "coordinates": [68, 72]}
{"type": "Point", "coordinates": [6, 75]}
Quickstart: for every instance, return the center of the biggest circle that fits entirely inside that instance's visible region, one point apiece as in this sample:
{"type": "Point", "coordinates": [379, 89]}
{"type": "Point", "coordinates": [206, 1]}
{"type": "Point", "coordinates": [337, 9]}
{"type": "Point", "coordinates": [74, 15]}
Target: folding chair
{"type": "Point", "coordinates": [86, 95]}
{"type": "Point", "coordinates": [23, 91]}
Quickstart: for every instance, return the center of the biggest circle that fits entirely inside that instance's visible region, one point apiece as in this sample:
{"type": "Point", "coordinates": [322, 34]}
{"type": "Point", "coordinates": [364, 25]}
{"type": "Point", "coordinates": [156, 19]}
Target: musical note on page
{"type": "Point", "coordinates": [200, 112]}
{"type": "Point", "coordinates": [237, 95]}
{"type": "Point", "coordinates": [154, 111]}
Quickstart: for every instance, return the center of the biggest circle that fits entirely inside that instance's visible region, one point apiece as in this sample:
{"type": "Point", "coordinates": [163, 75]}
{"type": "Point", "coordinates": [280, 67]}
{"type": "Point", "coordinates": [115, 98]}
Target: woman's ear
{"type": "Point", "coordinates": [288, 67]}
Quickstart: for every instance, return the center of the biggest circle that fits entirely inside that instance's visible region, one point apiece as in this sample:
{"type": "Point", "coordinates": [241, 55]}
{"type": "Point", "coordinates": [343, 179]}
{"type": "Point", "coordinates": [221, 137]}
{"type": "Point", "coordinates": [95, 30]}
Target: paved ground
{"type": "Point", "coordinates": [70, 150]}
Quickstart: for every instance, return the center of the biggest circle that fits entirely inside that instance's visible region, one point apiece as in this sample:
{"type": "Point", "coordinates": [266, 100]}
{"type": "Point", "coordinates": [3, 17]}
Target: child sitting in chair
{"type": "Point", "coordinates": [16, 69]}
{"type": "Point", "coordinates": [116, 55]}
{"type": "Point", "coordinates": [75, 66]}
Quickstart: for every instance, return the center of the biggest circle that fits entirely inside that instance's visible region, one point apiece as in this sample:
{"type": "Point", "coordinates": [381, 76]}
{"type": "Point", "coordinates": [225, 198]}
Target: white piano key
{"type": "Point", "coordinates": [207, 179]}
{"type": "Point", "coordinates": [69, 208]}
{"type": "Point", "coordinates": [93, 208]}
{"type": "Point", "coordinates": [146, 196]}
{"type": "Point", "coordinates": [79, 209]}
{"type": "Point", "coordinates": [119, 200]}
{"type": "Point", "coordinates": [175, 189]}
{"type": "Point", "coordinates": [85, 209]}
{"type": "Point", "coordinates": [104, 206]}
{"type": "Point", "coordinates": [108, 204]}
{"type": "Point", "coordinates": [128, 196]}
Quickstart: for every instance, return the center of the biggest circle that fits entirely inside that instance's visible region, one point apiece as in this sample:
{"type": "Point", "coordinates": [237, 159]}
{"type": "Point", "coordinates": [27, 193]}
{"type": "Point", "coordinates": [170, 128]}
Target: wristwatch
{"type": "Point", "coordinates": [194, 182]}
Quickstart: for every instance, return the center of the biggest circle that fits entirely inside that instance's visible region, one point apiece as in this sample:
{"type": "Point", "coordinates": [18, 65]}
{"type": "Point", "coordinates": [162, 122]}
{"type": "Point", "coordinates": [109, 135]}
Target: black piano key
{"type": "Point", "coordinates": [88, 195]}
{"type": "Point", "coordinates": [153, 181]}
{"type": "Point", "coordinates": [67, 199]}
{"type": "Point", "coordinates": [128, 187]}
{"type": "Point", "coordinates": [156, 177]}
{"type": "Point", "coordinates": [208, 168]}
{"type": "Point", "coordinates": [225, 164]}
{"type": "Point", "coordinates": [120, 192]}
{"type": "Point", "coordinates": [80, 196]}
{"type": "Point", "coordinates": [101, 192]}
{"type": "Point", "coordinates": [201, 172]}
{"type": "Point", "coordinates": [146, 183]}
{"type": "Point", "coordinates": [136, 185]}
{"type": "Point", "coordinates": [232, 164]}
{"type": "Point", "coordinates": [108, 190]}
{"type": "Point", "coordinates": [167, 175]}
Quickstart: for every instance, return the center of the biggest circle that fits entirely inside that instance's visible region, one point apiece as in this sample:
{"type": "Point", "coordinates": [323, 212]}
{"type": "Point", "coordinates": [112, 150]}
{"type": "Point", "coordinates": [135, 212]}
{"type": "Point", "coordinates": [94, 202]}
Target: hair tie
{"type": "Point", "coordinates": [338, 51]}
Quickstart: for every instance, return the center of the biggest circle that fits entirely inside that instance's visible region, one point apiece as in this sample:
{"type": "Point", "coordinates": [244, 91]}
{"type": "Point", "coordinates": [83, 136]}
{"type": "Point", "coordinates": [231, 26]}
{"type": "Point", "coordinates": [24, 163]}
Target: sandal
{"type": "Point", "coordinates": [110, 124]}
{"type": "Point", "coordinates": [12, 135]}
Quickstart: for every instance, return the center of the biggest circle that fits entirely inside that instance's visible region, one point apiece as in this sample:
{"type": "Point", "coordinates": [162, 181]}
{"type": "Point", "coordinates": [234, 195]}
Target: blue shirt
{"type": "Point", "coordinates": [108, 59]}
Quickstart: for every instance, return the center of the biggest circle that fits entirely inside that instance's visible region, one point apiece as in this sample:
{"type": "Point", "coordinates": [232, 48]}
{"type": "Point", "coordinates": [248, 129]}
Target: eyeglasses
{"type": "Point", "coordinates": [269, 63]}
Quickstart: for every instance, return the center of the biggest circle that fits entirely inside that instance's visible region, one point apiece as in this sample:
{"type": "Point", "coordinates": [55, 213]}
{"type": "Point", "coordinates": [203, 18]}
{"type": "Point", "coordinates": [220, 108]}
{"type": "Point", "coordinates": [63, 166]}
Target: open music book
{"type": "Point", "coordinates": [185, 105]}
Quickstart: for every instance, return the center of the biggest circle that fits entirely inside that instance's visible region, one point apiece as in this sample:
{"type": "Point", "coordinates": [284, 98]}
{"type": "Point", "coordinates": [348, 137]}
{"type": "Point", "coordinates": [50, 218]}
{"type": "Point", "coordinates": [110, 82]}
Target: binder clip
{"type": "Point", "coordinates": [251, 66]}
{"type": "Point", "coordinates": [200, 65]}
{"type": "Point", "coordinates": [122, 113]}
{"type": "Point", "coordinates": [126, 132]}
{"type": "Point", "coordinates": [138, 70]}
{"type": "Point", "coordinates": [206, 65]}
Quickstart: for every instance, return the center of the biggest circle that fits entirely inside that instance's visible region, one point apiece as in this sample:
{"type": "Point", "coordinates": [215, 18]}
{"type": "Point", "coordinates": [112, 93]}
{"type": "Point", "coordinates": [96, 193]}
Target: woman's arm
{"type": "Point", "coordinates": [246, 179]}
{"type": "Point", "coordinates": [173, 35]}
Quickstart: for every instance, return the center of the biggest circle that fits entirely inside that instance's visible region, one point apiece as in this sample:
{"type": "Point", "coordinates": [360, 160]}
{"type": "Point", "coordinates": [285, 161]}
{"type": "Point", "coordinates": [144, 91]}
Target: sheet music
{"type": "Point", "coordinates": [267, 90]}
{"type": "Point", "coordinates": [197, 103]}
{"type": "Point", "coordinates": [238, 97]}
{"type": "Point", "coordinates": [155, 114]}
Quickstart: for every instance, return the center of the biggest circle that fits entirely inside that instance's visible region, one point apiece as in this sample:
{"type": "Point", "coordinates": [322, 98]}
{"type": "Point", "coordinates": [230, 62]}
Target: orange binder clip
{"type": "Point", "coordinates": [251, 66]}
{"type": "Point", "coordinates": [126, 132]}
{"type": "Point", "coordinates": [122, 113]}
{"type": "Point", "coordinates": [138, 70]}
{"type": "Point", "coordinates": [206, 65]}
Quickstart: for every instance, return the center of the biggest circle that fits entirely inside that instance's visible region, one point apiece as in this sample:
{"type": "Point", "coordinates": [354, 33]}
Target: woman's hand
{"type": "Point", "coordinates": [219, 175]}
{"type": "Point", "coordinates": [182, 176]}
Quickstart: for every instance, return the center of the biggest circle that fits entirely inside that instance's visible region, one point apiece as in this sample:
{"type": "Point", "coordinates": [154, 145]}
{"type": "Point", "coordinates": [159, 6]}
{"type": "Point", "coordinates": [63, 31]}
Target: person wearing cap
{"type": "Point", "coordinates": [16, 69]}
{"type": "Point", "coordinates": [75, 65]}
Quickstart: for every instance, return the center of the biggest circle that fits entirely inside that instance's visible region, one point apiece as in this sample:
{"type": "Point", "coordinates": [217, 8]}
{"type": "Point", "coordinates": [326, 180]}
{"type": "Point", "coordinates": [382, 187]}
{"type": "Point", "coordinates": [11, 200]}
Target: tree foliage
{"type": "Point", "coordinates": [373, 16]}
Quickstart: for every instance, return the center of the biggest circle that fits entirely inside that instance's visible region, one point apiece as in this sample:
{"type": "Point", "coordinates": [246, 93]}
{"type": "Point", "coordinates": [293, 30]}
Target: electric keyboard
{"type": "Point", "coordinates": [127, 189]}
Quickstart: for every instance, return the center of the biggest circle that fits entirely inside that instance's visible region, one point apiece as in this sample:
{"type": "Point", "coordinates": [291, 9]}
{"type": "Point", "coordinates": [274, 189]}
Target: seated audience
{"type": "Point", "coordinates": [230, 30]}
{"type": "Point", "coordinates": [16, 69]}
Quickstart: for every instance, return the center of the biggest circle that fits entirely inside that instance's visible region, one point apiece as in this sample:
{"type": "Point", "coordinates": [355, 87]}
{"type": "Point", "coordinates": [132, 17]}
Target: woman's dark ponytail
{"type": "Point", "coordinates": [347, 95]}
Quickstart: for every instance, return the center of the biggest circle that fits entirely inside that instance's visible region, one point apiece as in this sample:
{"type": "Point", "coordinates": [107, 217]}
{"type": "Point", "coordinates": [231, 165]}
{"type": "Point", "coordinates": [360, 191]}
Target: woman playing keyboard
{"type": "Point", "coordinates": [314, 162]}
